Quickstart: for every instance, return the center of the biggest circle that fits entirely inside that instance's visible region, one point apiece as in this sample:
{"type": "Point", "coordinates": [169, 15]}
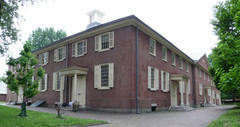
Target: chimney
{"type": "Point", "coordinates": [95, 18]}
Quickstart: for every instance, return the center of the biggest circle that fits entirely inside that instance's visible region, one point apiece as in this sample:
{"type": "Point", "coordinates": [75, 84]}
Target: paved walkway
{"type": "Point", "coordinates": [200, 117]}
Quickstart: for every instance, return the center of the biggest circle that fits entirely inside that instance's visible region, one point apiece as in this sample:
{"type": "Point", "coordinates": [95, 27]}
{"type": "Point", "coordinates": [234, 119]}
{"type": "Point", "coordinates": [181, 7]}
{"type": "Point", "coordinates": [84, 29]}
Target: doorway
{"type": "Point", "coordinates": [173, 93]}
{"type": "Point", "coordinates": [79, 91]}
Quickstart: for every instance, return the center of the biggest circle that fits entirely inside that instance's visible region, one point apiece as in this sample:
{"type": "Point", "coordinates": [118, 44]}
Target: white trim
{"type": "Point", "coordinates": [154, 45]}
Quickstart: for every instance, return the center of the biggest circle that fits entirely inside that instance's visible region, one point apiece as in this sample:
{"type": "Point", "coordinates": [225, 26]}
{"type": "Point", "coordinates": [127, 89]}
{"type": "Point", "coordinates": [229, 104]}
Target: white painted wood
{"type": "Point", "coordinates": [54, 81]}
{"type": "Point", "coordinates": [149, 77]}
{"type": "Point", "coordinates": [46, 81]}
{"type": "Point", "coordinates": [111, 75]}
{"type": "Point", "coordinates": [156, 82]}
{"type": "Point", "coordinates": [97, 76]}
{"type": "Point", "coordinates": [111, 39]}
{"type": "Point", "coordinates": [97, 43]}
{"type": "Point", "coordinates": [173, 93]}
{"type": "Point", "coordinates": [55, 54]}
{"type": "Point", "coordinates": [74, 49]}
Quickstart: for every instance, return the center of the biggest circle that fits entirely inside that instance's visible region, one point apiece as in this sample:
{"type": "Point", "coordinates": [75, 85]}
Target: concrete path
{"type": "Point", "coordinates": [200, 117]}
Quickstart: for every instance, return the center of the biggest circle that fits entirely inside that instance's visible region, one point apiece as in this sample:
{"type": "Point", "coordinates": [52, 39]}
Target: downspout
{"type": "Point", "coordinates": [66, 77]}
{"type": "Point", "coordinates": [193, 86]}
{"type": "Point", "coordinates": [137, 98]}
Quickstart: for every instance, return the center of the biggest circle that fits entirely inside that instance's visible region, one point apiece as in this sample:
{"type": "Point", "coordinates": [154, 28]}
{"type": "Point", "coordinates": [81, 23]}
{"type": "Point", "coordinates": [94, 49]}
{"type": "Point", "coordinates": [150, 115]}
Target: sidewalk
{"type": "Point", "coordinates": [200, 117]}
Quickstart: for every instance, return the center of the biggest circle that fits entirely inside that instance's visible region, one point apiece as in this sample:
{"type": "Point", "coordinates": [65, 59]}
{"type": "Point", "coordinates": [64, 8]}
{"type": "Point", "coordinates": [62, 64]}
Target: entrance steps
{"type": "Point", "coordinates": [181, 108]}
{"type": "Point", "coordinates": [209, 105]}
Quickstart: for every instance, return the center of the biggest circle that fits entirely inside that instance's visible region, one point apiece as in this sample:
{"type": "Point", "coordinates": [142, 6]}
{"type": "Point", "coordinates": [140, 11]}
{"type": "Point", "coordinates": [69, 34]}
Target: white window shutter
{"type": "Point", "coordinates": [62, 81]}
{"type": "Point", "coordinates": [149, 77]}
{"type": "Point", "coordinates": [46, 81]}
{"type": "Point", "coordinates": [55, 54]}
{"type": "Point", "coordinates": [156, 83]}
{"type": "Point", "coordinates": [64, 52]}
{"type": "Point", "coordinates": [54, 81]}
{"type": "Point", "coordinates": [73, 49]}
{"type": "Point", "coordinates": [47, 54]}
{"type": "Point", "coordinates": [40, 59]}
{"type": "Point", "coordinates": [167, 80]}
{"type": "Point", "coordinates": [32, 78]}
{"type": "Point", "coordinates": [111, 39]}
{"type": "Point", "coordinates": [97, 43]}
{"type": "Point", "coordinates": [111, 75]}
{"type": "Point", "coordinates": [97, 76]}
{"type": "Point", "coordinates": [85, 46]}
{"type": "Point", "coordinates": [162, 81]}
{"type": "Point", "coordinates": [39, 84]}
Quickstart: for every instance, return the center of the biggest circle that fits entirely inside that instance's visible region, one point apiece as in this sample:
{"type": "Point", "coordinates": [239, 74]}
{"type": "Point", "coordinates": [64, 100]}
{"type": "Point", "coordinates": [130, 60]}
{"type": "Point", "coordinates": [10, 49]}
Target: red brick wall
{"type": "Point", "coordinates": [3, 97]}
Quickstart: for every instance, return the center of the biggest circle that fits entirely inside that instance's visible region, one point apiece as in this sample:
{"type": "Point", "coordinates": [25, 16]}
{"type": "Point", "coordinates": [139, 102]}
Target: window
{"type": "Point", "coordinates": [103, 76]}
{"type": "Point", "coordinates": [79, 48]}
{"type": "Point", "coordinates": [204, 75]}
{"type": "Point", "coordinates": [208, 77]}
{"type": "Point", "coordinates": [43, 84]}
{"type": "Point", "coordinates": [43, 59]}
{"type": "Point", "coordinates": [164, 81]}
{"type": "Point", "coordinates": [200, 89]}
{"type": "Point", "coordinates": [60, 54]}
{"type": "Point", "coordinates": [187, 66]}
{"type": "Point", "coordinates": [104, 41]}
{"type": "Point", "coordinates": [153, 78]}
{"type": "Point", "coordinates": [164, 53]}
{"type": "Point", "coordinates": [152, 48]}
{"type": "Point", "coordinates": [173, 59]}
{"type": "Point", "coordinates": [57, 81]}
{"type": "Point", "coordinates": [180, 63]}
{"type": "Point", "coordinates": [200, 74]}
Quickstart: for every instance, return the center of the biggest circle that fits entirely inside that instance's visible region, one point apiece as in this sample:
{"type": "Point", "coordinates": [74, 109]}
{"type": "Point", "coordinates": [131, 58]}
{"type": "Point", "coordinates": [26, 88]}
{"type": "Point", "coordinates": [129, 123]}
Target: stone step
{"type": "Point", "coordinates": [181, 108]}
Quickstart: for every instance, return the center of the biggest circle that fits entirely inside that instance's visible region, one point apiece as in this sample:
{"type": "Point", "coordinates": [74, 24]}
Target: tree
{"type": "Point", "coordinates": [23, 77]}
{"type": "Point", "coordinates": [225, 57]}
{"type": "Point", "coordinates": [9, 18]}
{"type": "Point", "coordinates": [42, 37]}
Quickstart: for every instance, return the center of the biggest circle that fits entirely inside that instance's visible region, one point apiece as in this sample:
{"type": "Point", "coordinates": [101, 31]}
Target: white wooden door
{"type": "Point", "coordinates": [173, 93]}
{"type": "Point", "coordinates": [80, 93]}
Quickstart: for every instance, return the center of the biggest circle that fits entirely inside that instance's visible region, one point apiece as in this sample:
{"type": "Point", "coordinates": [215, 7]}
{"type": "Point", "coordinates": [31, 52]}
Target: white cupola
{"type": "Point", "coordinates": [95, 18]}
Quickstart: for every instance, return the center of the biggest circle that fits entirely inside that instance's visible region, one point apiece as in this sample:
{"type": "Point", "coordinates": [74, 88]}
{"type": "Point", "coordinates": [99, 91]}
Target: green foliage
{"type": "Point", "coordinates": [42, 37]}
{"type": "Point", "coordinates": [38, 119]}
{"type": "Point", "coordinates": [25, 70]}
{"type": "Point", "coordinates": [225, 58]}
{"type": "Point", "coordinates": [9, 18]}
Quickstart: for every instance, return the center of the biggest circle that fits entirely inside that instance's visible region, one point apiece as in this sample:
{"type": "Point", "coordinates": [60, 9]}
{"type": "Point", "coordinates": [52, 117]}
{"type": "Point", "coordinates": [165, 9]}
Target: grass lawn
{"type": "Point", "coordinates": [228, 119]}
{"type": "Point", "coordinates": [2, 102]}
{"type": "Point", "coordinates": [9, 118]}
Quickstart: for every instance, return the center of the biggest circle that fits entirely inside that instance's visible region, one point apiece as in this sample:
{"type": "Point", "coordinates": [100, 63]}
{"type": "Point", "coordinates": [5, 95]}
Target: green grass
{"type": "Point", "coordinates": [9, 118]}
{"type": "Point", "coordinates": [2, 102]}
{"type": "Point", "coordinates": [228, 119]}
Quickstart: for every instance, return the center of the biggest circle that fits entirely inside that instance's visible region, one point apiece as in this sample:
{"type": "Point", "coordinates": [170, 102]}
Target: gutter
{"type": "Point", "coordinates": [193, 86]}
{"type": "Point", "coordinates": [137, 98]}
{"type": "Point", "coordinates": [66, 77]}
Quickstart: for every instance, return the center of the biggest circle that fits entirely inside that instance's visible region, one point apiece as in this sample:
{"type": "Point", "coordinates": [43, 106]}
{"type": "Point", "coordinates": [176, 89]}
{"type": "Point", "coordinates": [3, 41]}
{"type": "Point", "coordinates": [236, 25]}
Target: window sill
{"type": "Point", "coordinates": [102, 50]}
{"type": "Point", "coordinates": [79, 55]}
{"type": "Point", "coordinates": [164, 91]}
{"type": "Point", "coordinates": [153, 54]}
{"type": "Point", "coordinates": [174, 65]}
{"type": "Point", "coordinates": [180, 68]}
{"type": "Point", "coordinates": [152, 89]}
{"type": "Point", "coordinates": [42, 91]}
{"type": "Point", "coordinates": [103, 88]}
{"type": "Point", "coordinates": [165, 60]}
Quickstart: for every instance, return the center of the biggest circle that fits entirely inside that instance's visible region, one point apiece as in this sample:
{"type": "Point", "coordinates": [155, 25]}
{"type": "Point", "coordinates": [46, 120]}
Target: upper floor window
{"type": "Point", "coordinates": [204, 76]}
{"type": "Point", "coordinates": [173, 59]}
{"type": "Point", "coordinates": [208, 77]}
{"type": "Point", "coordinates": [43, 84]}
{"type": "Point", "coordinates": [104, 76]}
{"type": "Point", "coordinates": [164, 81]}
{"type": "Point", "coordinates": [79, 48]}
{"type": "Point", "coordinates": [180, 63]}
{"type": "Point", "coordinates": [153, 78]}
{"type": "Point", "coordinates": [152, 48]}
{"type": "Point", "coordinates": [60, 54]}
{"type": "Point", "coordinates": [164, 53]}
{"type": "Point", "coordinates": [43, 59]}
{"type": "Point", "coordinates": [200, 72]}
{"type": "Point", "coordinates": [104, 41]}
{"type": "Point", "coordinates": [187, 66]}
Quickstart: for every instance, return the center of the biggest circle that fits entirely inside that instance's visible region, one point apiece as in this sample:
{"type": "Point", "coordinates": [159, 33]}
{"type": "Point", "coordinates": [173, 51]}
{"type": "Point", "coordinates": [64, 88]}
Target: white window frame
{"type": "Point", "coordinates": [164, 53]}
{"type": "Point", "coordinates": [181, 63]}
{"type": "Point", "coordinates": [75, 48]}
{"type": "Point", "coordinates": [200, 89]}
{"type": "Point", "coordinates": [204, 75]}
{"type": "Point", "coordinates": [200, 72]}
{"type": "Point", "coordinates": [208, 77]}
{"type": "Point", "coordinates": [165, 85]}
{"type": "Point", "coordinates": [57, 75]}
{"type": "Point", "coordinates": [45, 83]}
{"type": "Point", "coordinates": [97, 76]}
{"type": "Point", "coordinates": [98, 42]}
{"type": "Point", "coordinates": [173, 59]}
{"type": "Point", "coordinates": [156, 79]}
{"type": "Point", "coordinates": [187, 66]}
{"type": "Point", "coordinates": [43, 59]}
{"type": "Point", "coordinates": [56, 54]}
{"type": "Point", "coordinates": [154, 46]}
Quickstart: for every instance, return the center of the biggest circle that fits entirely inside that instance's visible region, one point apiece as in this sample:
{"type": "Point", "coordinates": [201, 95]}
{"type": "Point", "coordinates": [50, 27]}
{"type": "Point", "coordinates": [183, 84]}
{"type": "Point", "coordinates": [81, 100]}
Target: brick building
{"type": "Point", "coordinates": [122, 66]}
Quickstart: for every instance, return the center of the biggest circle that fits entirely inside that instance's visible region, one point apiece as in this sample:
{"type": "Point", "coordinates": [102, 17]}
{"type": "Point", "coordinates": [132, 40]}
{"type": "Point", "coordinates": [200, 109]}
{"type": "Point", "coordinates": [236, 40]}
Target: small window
{"type": "Point", "coordinates": [43, 59]}
{"type": "Point", "coordinates": [43, 84]}
{"type": "Point", "coordinates": [153, 78]}
{"type": "Point", "coordinates": [60, 54]}
{"type": "Point", "coordinates": [204, 75]}
{"type": "Point", "coordinates": [180, 63]}
{"type": "Point", "coordinates": [173, 59]}
{"type": "Point", "coordinates": [103, 76]}
{"type": "Point", "coordinates": [104, 41]}
{"type": "Point", "coordinates": [164, 81]}
{"type": "Point", "coordinates": [79, 48]}
{"type": "Point", "coordinates": [200, 72]}
{"type": "Point", "coordinates": [187, 67]}
{"type": "Point", "coordinates": [164, 53]}
{"type": "Point", "coordinates": [152, 48]}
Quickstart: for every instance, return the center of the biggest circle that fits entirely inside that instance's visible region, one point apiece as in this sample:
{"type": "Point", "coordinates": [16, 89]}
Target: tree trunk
{"type": "Point", "coordinates": [23, 108]}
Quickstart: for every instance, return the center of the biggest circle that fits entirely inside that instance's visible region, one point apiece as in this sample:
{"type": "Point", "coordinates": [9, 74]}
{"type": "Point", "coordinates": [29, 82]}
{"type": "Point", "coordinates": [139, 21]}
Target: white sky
{"type": "Point", "coordinates": [185, 23]}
